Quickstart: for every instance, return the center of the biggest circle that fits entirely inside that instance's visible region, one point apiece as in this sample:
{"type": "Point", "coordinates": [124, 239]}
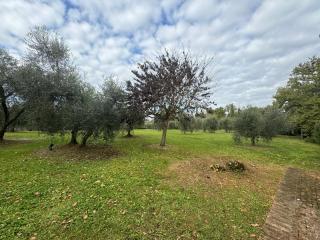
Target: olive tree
{"type": "Point", "coordinates": [226, 123]}
{"type": "Point", "coordinates": [102, 113]}
{"type": "Point", "coordinates": [255, 123]}
{"type": "Point", "coordinates": [274, 122]}
{"type": "Point", "coordinates": [210, 124]}
{"type": "Point", "coordinates": [172, 84]}
{"type": "Point", "coordinates": [186, 122]}
{"type": "Point", "coordinates": [12, 97]}
{"type": "Point", "coordinates": [249, 124]}
{"type": "Point", "coordinates": [49, 69]}
{"type": "Point", "coordinates": [131, 113]}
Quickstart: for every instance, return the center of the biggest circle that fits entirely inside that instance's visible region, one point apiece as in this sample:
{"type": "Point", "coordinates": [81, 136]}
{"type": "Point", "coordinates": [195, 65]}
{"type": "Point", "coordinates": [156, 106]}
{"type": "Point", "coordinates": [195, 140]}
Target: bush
{"type": "Point", "coordinates": [249, 124]}
{"type": "Point", "coordinates": [173, 125]}
{"type": "Point", "coordinates": [226, 124]}
{"type": "Point", "coordinates": [236, 138]}
{"type": "Point", "coordinates": [210, 124]}
{"type": "Point", "coordinates": [198, 123]}
{"type": "Point", "coordinates": [235, 166]}
{"type": "Point", "coordinates": [186, 123]}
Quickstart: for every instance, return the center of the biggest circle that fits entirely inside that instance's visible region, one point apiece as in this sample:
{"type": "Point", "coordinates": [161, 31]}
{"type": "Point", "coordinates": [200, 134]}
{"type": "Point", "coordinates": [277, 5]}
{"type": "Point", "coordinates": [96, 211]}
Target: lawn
{"type": "Point", "coordinates": [142, 191]}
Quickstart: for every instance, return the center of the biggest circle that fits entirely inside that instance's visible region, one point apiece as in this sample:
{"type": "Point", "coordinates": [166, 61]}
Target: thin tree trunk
{"type": "Point", "coordinates": [253, 141]}
{"type": "Point", "coordinates": [2, 131]}
{"type": "Point", "coordinates": [85, 138]}
{"type": "Point", "coordinates": [74, 134]}
{"type": "Point", "coordinates": [164, 134]}
{"type": "Point", "coordinates": [7, 121]}
{"type": "Point", "coordinates": [129, 133]}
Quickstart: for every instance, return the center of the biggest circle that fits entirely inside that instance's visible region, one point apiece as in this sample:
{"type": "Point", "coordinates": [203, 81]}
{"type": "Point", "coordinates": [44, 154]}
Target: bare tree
{"type": "Point", "coordinates": [173, 84]}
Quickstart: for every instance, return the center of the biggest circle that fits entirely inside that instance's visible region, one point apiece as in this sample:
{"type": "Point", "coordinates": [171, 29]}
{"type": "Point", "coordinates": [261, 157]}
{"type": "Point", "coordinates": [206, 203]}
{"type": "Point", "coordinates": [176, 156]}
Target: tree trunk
{"type": "Point", "coordinates": [164, 134]}
{"type": "Point", "coordinates": [2, 131]}
{"type": "Point", "coordinates": [74, 134]}
{"type": "Point", "coordinates": [129, 133]}
{"type": "Point", "coordinates": [253, 141]}
{"type": "Point", "coordinates": [7, 120]}
{"type": "Point", "coordinates": [85, 138]}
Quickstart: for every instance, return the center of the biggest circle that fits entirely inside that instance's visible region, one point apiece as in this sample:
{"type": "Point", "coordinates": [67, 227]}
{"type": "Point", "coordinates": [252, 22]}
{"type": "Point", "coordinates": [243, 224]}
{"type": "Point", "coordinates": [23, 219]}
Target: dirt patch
{"type": "Point", "coordinates": [8, 142]}
{"type": "Point", "coordinates": [197, 172]}
{"type": "Point", "coordinates": [76, 153]}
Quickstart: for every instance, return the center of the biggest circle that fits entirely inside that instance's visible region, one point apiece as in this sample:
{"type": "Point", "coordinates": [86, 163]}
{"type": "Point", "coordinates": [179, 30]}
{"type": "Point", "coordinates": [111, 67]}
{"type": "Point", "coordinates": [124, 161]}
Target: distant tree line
{"type": "Point", "coordinates": [43, 90]}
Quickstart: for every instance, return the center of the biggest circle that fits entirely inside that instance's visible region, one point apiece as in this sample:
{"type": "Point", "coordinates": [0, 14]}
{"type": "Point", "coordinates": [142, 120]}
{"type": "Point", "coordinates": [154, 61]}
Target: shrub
{"type": "Point", "coordinates": [249, 124]}
{"type": "Point", "coordinates": [226, 124]}
{"type": "Point", "coordinates": [236, 138]}
{"type": "Point", "coordinates": [316, 133]}
{"type": "Point", "coordinates": [235, 166]}
{"type": "Point", "coordinates": [173, 125]}
{"type": "Point", "coordinates": [210, 124]}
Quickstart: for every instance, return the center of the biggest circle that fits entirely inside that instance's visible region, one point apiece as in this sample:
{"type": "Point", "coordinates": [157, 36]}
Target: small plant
{"type": "Point", "coordinates": [236, 138]}
{"type": "Point", "coordinates": [235, 166]}
{"type": "Point", "coordinates": [232, 166]}
{"type": "Point", "coordinates": [218, 168]}
{"type": "Point", "coordinates": [316, 133]}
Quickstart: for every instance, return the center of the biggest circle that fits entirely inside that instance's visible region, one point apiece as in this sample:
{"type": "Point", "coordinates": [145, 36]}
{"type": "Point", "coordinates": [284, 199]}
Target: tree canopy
{"type": "Point", "coordinates": [300, 98]}
{"type": "Point", "coordinates": [173, 84]}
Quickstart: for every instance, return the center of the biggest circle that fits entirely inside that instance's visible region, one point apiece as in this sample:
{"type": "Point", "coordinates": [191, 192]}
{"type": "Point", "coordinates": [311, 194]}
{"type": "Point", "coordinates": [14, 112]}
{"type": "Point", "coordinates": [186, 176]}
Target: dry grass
{"type": "Point", "coordinates": [76, 153]}
{"type": "Point", "coordinates": [197, 172]}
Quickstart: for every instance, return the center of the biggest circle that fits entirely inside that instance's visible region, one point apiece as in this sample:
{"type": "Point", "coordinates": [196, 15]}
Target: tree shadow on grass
{"type": "Point", "coordinates": [76, 153]}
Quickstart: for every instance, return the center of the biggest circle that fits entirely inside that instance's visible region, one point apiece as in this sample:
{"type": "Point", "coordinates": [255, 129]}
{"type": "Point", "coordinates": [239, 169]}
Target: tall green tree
{"type": "Point", "coordinates": [300, 98]}
{"type": "Point", "coordinates": [48, 67]}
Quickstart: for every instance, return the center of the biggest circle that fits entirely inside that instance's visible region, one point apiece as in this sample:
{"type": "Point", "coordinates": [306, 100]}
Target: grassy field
{"type": "Point", "coordinates": [142, 191]}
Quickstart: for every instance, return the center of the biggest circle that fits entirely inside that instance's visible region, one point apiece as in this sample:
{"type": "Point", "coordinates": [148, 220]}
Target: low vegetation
{"type": "Point", "coordinates": [73, 176]}
{"type": "Point", "coordinates": [136, 191]}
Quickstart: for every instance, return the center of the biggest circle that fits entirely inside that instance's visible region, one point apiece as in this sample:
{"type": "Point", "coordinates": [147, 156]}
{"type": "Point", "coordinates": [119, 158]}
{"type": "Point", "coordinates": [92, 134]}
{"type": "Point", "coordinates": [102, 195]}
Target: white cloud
{"type": "Point", "coordinates": [17, 17]}
{"type": "Point", "coordinates": [255, 44]}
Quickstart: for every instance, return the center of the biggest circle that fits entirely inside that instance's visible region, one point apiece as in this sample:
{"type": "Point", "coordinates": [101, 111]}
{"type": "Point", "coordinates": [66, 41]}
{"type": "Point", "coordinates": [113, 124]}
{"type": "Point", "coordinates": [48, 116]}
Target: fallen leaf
{"type": "Point", "coordinates": [254, 225]}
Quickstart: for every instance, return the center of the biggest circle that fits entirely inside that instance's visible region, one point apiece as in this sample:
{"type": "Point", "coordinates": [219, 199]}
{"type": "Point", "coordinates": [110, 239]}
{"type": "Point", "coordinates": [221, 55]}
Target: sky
{"type": "Point", "coordinates": [254, 44]}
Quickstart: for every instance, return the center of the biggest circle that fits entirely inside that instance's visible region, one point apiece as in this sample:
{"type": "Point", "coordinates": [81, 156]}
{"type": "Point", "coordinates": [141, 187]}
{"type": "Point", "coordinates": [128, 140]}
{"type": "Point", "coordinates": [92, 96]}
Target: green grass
{"type": "Point", "coordinates": [134, 195]}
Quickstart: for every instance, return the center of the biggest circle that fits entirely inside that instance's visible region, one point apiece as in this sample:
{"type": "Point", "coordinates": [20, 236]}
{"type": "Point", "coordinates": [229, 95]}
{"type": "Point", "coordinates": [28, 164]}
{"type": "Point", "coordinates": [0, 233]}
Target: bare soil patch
{"type": "Point", "coordinates": [7, 142]}
{"type": "Point", "coordinates": [195, 172]}
{"type": "Point", "coordinates": [76, 153]}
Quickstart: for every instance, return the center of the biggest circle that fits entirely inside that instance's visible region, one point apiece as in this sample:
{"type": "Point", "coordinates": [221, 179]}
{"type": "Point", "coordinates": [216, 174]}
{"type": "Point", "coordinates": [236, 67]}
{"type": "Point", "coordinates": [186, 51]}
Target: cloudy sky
{"type": "Point", "coordinates": [255, 44]}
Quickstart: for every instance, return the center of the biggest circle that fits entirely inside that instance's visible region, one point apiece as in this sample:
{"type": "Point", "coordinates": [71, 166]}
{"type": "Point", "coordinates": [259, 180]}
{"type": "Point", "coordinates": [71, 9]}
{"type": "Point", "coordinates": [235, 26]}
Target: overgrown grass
{"type": "Point", "coordinates": [135, 195]}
